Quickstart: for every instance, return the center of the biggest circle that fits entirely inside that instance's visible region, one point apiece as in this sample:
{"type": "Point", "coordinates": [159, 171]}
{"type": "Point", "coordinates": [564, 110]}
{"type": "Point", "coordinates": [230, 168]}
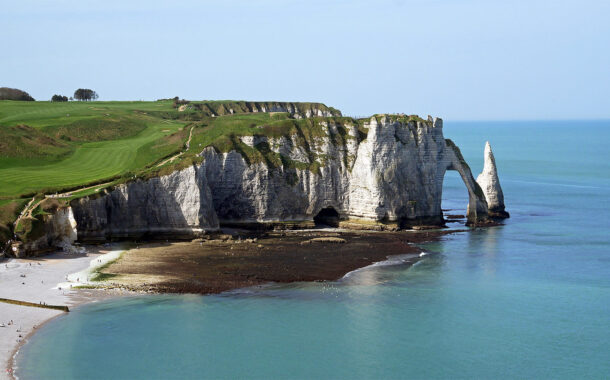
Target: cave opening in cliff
{"type": "Point", "coordinates": [455, 198]}
{"type": "Point", "coordinates": [327, 217]}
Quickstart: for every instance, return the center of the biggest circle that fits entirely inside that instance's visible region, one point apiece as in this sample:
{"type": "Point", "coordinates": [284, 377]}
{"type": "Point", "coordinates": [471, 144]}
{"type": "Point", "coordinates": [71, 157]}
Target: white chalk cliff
{"type": "Point", "coordinates": [392, 175]}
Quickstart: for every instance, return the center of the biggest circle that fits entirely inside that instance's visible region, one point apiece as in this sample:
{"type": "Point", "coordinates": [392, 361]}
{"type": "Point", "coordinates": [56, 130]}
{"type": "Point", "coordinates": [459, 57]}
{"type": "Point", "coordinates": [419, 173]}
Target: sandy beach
{"type": "Point", "coordinates": [36, 280]}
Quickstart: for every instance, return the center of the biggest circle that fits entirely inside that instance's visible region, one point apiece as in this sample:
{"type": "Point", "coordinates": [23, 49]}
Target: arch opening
{"type": "Point", "coordinates": [455, 198]}
{"type": "Point", "coordinates": [327, 217]}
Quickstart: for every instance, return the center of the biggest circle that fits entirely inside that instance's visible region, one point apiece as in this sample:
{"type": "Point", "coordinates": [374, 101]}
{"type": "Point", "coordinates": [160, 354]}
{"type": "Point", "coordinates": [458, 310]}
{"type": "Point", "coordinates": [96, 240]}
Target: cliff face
{"type": "Point", "coordinates": [57, 231]}
{"type": "Point", "coordinates": [394, 175]}
{"type": "Point", "coordinates": [178, 204]}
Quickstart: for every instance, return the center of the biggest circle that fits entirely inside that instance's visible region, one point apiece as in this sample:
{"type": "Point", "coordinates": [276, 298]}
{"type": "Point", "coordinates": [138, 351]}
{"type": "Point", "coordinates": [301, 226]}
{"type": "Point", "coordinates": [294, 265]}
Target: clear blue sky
{"type": "Point", "coordinates": [462, 60]}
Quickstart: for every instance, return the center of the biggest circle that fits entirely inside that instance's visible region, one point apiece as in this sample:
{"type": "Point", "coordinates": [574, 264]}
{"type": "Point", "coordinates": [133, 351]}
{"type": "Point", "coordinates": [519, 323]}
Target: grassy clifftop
{"type": "Point", "coordinates": [47, 147]}
{"type": "Point", "coordinates": [212, 108]}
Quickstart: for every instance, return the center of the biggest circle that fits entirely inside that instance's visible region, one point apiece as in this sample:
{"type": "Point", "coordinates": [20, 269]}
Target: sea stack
{"type": "Point", "coordinates": [490, 183]}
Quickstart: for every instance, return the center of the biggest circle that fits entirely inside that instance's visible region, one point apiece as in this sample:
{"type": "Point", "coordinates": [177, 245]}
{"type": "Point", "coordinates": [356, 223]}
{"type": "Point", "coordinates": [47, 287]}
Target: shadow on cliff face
{"type": "Point", "coordinates": [327, 217]}
{"type": "Point", "coordinates": [153, 209]}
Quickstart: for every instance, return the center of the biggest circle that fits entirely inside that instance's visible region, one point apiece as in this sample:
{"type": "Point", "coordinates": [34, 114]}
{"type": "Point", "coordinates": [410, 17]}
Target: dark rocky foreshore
{"type": "Point", "coordinates": [225, 262]}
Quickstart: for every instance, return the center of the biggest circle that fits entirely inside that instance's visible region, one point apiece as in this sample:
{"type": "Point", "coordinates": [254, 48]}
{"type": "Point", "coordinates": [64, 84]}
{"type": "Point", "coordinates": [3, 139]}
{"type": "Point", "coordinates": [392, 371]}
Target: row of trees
{"type": "Point", "coordinates": [82, 94]}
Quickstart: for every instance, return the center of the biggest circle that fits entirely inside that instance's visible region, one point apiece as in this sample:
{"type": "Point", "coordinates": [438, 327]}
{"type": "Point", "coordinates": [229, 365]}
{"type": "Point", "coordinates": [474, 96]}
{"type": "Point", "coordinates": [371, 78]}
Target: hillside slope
{"type": "Point", "coordinates": [48, 148]}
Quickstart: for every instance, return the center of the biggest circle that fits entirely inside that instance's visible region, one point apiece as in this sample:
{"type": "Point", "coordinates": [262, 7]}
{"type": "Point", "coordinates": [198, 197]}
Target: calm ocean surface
{"type": "Point", "coordinates": [530, 299]}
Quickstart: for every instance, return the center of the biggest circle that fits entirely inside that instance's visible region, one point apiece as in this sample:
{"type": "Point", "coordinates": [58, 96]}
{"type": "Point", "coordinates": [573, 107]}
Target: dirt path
{"type": "Point", "coordinates": [188, 145]}
{"type": "Point", "coordinates": [25, 210]}
{"type": "Point", "coordinates": [31, 206]}
{"type": "Point", "coordinates": [69, 193]}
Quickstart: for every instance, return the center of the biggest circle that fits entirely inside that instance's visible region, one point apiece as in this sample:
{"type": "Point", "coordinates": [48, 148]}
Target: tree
{"type": "Point", "coordinates": [59, 98]}
{"type": "Point", "coordinates": [14, 94]}
{"type": "Point", "coordinates": [85, 94]}
{"type": "Point", "coordinates": [178, 102]}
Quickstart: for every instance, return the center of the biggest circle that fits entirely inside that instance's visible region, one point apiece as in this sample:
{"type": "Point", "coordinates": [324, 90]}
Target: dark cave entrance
{"type": "Point", "coordinates": [327, 217]}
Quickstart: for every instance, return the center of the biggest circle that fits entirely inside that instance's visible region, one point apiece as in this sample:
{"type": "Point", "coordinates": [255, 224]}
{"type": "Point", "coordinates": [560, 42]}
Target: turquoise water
{"type": "Point", "coordinates": [530, 299]}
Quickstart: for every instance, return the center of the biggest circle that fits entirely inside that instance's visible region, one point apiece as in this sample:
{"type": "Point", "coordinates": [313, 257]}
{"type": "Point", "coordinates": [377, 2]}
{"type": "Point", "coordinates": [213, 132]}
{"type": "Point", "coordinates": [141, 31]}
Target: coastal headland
{"type": "Point", "coordinates": [211, 164]}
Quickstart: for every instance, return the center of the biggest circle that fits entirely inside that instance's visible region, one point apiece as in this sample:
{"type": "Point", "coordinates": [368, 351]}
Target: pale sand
{"type": "Point", "coordinates": [40, 284]}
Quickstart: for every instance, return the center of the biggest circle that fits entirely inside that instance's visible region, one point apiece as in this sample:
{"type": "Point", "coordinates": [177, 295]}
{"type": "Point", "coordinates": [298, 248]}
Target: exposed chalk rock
{"type": "Point", "coordinates": [59, 232]}
{"type": "Point", "coordinates": [490, 184]}
{"type": "Point", "coordinates": [176, 205]}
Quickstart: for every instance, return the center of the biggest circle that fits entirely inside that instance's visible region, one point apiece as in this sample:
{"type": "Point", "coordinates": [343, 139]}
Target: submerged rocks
{"type": "Point", "coordinates": [490, 184]}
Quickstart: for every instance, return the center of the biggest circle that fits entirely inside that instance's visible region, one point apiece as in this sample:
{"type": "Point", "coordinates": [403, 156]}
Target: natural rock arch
{"type": "Point", "coordinates": [477, 210]}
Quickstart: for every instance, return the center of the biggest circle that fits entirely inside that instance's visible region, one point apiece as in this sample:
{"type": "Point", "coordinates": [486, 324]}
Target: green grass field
{"type": "Point", "coordinates": [73, 144]}
{"type": "Point", "coordinates": [50, 147]}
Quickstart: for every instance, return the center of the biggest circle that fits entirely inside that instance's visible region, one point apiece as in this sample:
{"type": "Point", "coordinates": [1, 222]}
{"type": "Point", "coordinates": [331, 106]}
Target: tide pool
{"type": "Point", "coordinates": [530, 299]}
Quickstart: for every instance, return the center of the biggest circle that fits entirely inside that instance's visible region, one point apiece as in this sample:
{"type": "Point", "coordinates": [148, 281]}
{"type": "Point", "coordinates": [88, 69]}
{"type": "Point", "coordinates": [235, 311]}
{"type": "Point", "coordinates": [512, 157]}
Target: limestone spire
{"type": "Point", "coordinates": [490, 184]}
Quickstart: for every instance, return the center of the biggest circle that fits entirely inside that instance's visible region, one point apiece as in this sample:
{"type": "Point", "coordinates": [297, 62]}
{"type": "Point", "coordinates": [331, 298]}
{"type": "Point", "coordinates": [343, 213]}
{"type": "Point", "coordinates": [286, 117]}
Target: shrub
{"type": "Point", "coordinates": [59, 98]}
{"type": "Point", "coordinates": [14, 94]}
{"type": "Point", "coordinates": [85, 94]}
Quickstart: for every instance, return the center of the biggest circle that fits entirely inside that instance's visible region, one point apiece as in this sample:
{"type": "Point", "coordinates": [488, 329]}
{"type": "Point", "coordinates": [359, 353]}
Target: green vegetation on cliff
{"type": "Point", "coordinates": [9, 211]}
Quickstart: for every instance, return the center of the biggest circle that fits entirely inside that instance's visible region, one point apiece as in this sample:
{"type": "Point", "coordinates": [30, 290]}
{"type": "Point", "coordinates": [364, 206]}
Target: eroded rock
{"type": "Point", "coordinates": [490, 184]}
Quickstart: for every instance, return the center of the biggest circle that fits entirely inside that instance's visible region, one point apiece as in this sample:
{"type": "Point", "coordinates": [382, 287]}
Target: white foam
{"type": "Point", "coordinates": [392, 260]}
{"type": "Point", "coordinates": [84, 276]}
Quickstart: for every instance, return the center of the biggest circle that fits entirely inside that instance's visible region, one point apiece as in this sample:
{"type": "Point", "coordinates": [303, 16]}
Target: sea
{"type": "Point", "coordinates": [526, 300]}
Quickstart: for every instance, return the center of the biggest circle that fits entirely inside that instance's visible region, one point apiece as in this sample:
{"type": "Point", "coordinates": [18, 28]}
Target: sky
{"type": "Point", "coordinates": [457, 59]}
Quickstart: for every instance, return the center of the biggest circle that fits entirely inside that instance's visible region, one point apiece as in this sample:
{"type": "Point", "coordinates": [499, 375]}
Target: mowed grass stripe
{"type": "Point", "coordinates": [38, 114]}
{"type": "Point", "coordinates": [90, 162]}
{"type": "Point", "coordinates": [84, 166]}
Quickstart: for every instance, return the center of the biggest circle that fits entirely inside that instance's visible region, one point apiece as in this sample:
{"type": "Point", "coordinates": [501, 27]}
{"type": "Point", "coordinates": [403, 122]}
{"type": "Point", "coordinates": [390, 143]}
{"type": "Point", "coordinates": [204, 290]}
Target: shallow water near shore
{"type": "Point", "coordinates": [530, 299]}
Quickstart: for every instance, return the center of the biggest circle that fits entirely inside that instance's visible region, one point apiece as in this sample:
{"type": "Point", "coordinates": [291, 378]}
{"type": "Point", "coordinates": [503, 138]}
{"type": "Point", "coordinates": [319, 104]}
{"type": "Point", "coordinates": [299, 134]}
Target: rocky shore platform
{"type": "Point", "coordinates": [230, 261]}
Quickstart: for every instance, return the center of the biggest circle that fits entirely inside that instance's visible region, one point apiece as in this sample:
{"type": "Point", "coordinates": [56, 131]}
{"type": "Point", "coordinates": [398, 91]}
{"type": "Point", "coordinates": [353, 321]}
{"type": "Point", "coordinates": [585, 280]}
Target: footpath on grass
{"type": "Point", "coordinates": [31, 206]}
{"type": "Point", "coordinates": [172, 158]}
